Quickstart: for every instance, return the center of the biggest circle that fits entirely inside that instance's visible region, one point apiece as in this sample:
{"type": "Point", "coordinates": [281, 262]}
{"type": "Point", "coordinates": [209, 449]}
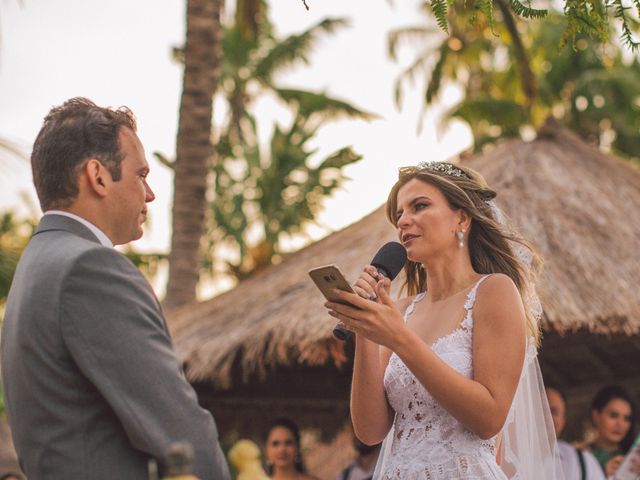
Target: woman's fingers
{"type": "Point", "coordinates": [364, 293]}
{"type": "Point", "coordinates": [382, 291]}
{"type": "Point", "coordinates": [367, 282]}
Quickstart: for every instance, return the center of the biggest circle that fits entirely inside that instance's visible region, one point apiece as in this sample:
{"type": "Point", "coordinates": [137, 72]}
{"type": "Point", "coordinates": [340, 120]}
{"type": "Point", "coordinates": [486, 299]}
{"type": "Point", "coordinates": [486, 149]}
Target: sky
{"type": "Point", "coordinates": [118, 52]}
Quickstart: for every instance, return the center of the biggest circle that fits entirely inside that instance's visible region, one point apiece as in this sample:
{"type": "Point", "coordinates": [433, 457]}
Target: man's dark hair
{"type": "Point", "coordinates": [73, 133]}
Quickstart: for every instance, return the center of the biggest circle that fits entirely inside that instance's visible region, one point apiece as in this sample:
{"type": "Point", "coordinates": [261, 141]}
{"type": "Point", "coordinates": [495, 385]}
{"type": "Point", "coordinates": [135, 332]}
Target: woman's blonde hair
{"type": "Point", "coordinates": [490, 240]}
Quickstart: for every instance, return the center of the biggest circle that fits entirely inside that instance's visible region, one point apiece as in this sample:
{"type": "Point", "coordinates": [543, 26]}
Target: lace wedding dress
{"type": "Point", "coordinates": [427, 442]}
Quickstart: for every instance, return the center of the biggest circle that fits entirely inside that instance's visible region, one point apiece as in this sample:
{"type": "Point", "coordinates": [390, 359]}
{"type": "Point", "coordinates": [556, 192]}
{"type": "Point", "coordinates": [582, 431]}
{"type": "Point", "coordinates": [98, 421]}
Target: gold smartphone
{"type": "Point", "coordinates": [327, 278]}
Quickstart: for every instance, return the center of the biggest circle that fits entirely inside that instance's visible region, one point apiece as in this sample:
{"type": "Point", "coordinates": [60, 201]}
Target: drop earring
{"type": "Point", "coordinates": [460, 237]}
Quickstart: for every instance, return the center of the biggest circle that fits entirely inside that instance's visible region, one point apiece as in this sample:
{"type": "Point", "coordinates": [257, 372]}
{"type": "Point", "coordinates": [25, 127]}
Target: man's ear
{"type": "Point", "coordinates": [97, 176]}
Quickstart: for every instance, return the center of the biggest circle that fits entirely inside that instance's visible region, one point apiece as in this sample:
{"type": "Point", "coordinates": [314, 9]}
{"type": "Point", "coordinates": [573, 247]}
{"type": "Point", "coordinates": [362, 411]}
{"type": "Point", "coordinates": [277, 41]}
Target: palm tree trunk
{"type": "Point", "coordinates": [194, 150]}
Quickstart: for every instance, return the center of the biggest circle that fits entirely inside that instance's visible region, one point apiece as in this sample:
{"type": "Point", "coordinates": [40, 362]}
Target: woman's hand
{"type": "Point", "coordinates": [366, 284]}
{"type": "Point", "coordinates": [612, 466]}
{"type": "Point", "coordinates": [379, 321]}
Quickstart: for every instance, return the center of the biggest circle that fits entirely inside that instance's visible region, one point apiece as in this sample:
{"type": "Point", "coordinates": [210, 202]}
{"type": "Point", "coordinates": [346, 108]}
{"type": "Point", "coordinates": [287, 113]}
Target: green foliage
{"type": "Point", "coordinates": [265, 194]}
{"type": "Point", "coordinates": [589, 17]}
{"type": "Point", "coordinates": [14, 235]}
{"type": "Point", "coordinates": [147, 263]}
{"type": "Point", "coordinates": [591, 88]}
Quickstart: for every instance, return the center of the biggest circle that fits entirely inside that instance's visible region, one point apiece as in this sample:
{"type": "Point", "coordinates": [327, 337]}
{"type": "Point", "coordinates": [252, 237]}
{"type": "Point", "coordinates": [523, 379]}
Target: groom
{"type": "Point", "coordinates": [93, 387]}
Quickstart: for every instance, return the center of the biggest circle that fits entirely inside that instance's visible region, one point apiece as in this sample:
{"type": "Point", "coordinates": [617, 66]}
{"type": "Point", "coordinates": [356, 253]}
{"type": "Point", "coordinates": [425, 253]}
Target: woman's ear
{"type": "Point", "coordinates": [97, 176]}
{"type": "Point", "coordinates": [464, 220]}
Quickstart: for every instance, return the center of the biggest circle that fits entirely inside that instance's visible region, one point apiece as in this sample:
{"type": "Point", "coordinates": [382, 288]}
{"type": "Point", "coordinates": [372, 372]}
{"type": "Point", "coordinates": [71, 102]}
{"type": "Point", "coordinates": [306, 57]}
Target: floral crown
{"type": "Point", "coordinates": [442, 167]}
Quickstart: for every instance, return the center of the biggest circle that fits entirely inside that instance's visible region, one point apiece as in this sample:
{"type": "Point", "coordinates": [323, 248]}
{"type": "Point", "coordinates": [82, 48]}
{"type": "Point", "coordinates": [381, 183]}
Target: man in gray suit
{"type": "Point", "coordinates": [93, 387]}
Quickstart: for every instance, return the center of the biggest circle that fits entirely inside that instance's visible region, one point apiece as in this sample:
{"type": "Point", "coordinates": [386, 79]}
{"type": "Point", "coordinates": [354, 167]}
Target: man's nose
{"type": "Point", "coordinates": [150, 196]}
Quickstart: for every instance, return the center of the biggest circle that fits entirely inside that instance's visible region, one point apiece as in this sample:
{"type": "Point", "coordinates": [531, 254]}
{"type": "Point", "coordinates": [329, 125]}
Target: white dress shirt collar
{"type": "Point", "coordinates": [104, 240]}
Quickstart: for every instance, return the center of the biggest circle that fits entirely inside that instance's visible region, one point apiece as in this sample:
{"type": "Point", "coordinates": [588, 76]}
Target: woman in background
{"type": "Point", "coordinates": [282, 452]}
{"type": "Point", "coordinates": [614, 416]}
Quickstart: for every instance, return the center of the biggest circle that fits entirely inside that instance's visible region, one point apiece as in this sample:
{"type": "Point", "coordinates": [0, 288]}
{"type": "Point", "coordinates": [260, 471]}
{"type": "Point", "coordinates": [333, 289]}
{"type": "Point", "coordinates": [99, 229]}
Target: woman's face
{"type": "Point", "coordinates": [281, 447]}
{"type": "Point", "coordinates": [614, 421]}
{"type": "Point", "coordinates": [425, 222]}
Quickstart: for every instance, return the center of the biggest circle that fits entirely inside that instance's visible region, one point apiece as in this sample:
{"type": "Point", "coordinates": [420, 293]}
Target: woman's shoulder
{"type": "Point", "coordinates": [495, 287]}
{"type": "Point", "coordinates": [496, 283]}
{"type": "Point", "coordinates": [497, 301]}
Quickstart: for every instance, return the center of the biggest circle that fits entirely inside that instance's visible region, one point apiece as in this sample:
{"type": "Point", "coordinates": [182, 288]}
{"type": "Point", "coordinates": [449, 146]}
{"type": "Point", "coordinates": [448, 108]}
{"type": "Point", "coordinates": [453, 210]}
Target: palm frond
{"type": "Point", "coordinates": [506, 114]}
{"type": "Point", "coordinates": [407, 36]}
{"type": "Point", "coordinates": [294, 49]}
{"type": "Point", "coordinates": [329, 108]}
{"type": "Point", "coordinates": [525, 11]}
{"type": "Point", "coordinates": [420, 64]}
{"type": "Point", "coordinates": [626, 36]}
{"type": "Point", "coordinates": [440, 9]}
{"type": "Point", "coordinates": [433, 87]}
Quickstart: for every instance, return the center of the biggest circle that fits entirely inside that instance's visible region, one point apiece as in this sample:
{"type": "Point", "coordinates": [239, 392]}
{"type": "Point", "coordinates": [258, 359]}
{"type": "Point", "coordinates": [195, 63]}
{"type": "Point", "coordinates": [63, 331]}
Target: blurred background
{"type": "Point", "coordinates": [270, 126]}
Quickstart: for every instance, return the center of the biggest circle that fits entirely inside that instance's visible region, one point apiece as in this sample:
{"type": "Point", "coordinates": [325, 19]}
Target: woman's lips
{"type": "Point", "coordinates": [407, 237]}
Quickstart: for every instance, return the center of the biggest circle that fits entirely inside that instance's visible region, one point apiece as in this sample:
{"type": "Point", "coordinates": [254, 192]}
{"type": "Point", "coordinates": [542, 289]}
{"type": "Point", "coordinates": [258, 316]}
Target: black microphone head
{"type": "Point", "coordinates": [390, 259]}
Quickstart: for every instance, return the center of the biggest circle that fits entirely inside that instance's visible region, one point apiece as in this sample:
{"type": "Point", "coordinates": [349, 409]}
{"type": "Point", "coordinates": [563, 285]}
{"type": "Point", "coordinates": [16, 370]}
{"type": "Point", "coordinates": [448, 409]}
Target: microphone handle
{"type": "Point", "coordinates": [342, 333]}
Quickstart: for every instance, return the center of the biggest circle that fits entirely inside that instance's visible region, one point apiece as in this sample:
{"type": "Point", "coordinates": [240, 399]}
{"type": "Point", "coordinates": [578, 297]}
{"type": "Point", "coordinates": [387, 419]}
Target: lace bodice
{"type": "Point", "coordinates": [429, 443]}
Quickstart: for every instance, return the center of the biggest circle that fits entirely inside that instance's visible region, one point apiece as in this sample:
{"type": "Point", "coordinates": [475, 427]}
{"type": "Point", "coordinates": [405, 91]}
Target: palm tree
{"type": "Point", "coordinates": [262, 195]}
{"type": "Point", "coordinates": [512, 81]}
{"type": "Point", "coordinates": [194, 149]}
{"type": "Point", "coordinates": [278, 192]}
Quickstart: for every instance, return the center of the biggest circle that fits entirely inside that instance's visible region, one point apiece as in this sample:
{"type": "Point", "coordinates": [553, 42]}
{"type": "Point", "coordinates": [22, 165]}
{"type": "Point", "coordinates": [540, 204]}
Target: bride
{"type": "Point", "coordinates": [449, 375]}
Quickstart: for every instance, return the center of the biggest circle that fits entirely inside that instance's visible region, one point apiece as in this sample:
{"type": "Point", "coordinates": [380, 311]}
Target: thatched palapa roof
{"type": "Point", "coordinates": [578, 206]}
{"type": "Point", "coordinates": [275, 317]}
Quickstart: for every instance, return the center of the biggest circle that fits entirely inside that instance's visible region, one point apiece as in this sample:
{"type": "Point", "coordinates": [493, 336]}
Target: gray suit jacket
{"type": "Point", "coordinates": [92, 385]}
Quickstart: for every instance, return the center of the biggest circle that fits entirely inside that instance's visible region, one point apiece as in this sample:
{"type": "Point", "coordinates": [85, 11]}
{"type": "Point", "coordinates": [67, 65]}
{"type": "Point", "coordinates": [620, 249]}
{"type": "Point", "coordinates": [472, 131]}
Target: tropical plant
{"type": "Point", "coordinates": [14, 236]}
{"type": "Point", "coordinates": [512, 81]}
{"type": "Point", "coordinates": [583, 17]}
{"type": "Point", "coordinates": [263, 195]}
{"type": "Point", "coordinates": [270, 195]}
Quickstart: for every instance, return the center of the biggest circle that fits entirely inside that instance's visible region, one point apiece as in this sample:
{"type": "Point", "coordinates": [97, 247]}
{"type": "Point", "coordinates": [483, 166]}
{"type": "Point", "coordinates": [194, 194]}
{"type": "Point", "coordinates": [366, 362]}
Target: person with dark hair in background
{"type": "Point", "coordinates": [576, 463]}
{"type": "Point", "coordinates": [364, 465]}
{"type": "Point", "coordinates": [93, 387]}
{"type": "Point", "coordinates": [614, 416]}
{"type": "Point", "coordinates": [282, 452]}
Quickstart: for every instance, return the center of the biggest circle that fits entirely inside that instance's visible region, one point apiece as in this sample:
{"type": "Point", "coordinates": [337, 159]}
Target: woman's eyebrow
{"type": "Point", "coordinates": [413, 202]}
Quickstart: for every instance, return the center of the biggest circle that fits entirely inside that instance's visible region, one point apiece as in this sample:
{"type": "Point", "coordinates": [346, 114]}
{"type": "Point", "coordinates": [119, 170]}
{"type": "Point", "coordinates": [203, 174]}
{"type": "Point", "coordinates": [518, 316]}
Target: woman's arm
{"type": "Point", "coordinates": [371, 414]}
{"type": "Point", "coordinates": [481, 403]}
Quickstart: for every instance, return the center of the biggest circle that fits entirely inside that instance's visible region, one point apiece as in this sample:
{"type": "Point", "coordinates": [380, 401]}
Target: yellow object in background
{"type": "Point", "coordinates": [245, 457]}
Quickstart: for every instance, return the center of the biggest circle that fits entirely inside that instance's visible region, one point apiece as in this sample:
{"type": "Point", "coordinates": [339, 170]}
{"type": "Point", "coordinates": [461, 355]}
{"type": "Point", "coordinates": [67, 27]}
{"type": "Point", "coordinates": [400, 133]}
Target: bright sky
{"type": "Point", "coordinates": [117, 52]}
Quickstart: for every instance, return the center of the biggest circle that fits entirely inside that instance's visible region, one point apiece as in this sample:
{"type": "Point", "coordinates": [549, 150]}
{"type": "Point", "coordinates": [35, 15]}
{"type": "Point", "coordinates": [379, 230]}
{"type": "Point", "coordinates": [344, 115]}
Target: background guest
{"type": "Point", "coordinates": [614, 416]}
{"type": "Point", "coordinates": [576, 463]}
{"type": "Point", "coordinates": [282, 452]}
{"type": "Point", "coordinates": [364, 464]}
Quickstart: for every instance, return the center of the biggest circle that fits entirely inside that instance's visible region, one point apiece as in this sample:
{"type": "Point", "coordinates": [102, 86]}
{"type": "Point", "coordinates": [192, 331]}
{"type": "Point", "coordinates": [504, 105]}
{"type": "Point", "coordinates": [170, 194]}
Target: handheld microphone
{"type": "Point", "coordinates": [388, 261]}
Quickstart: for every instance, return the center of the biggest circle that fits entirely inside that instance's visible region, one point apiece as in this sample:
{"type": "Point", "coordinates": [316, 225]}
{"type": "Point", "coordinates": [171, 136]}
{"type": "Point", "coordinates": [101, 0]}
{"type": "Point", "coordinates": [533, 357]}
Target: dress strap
{"type": "Point", "coordinates": [471, 296]}
{"type": "Point", "coordinates": [415, 300]}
